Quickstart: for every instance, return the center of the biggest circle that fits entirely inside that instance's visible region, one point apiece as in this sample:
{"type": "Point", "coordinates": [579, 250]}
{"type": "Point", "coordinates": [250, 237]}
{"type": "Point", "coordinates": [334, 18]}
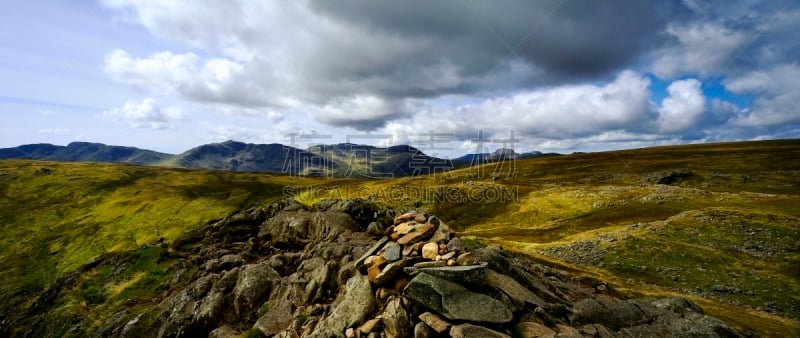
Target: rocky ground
{"type": "Point", "coordinates": [353, 269]}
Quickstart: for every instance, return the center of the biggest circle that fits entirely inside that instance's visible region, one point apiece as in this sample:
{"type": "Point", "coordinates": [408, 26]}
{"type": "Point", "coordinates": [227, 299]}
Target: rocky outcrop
{"type": "Point", "coordinates": [353, 269]}
{"type": "Point", "coordinates": [667, 177]}
{"type": "Point", "coordinates": [454, 301]}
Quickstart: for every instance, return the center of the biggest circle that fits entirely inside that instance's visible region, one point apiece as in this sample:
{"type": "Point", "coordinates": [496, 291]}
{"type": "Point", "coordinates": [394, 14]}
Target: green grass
{"type": "Point", "coordinates": [252, 333]}
{"type": "Point", "coordinates": [263, 310]}
{"type": "Point", "coordinates": [735, 222]}
{"type": "Point", "coordinates": [55, 217]}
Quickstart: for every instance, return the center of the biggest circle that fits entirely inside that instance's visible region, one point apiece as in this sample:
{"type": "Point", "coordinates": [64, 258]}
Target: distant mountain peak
{"type": "Point", "coordinates": [324, 159]}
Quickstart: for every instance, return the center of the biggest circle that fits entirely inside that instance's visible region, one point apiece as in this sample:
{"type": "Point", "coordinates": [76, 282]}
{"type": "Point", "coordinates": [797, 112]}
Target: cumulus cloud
{"type": "Point", "coordinates": [776, 91]}
{"type": "Point", "coordinates": [145, 114]}
{"type": "Point", "coordinates": [212, 80]}
{"type": "Point", "coordinates": [558, 112]}
{"type": "Point", "coordinates": [702, 48]}
{"type": "Point", "coordinates": [683, 107]}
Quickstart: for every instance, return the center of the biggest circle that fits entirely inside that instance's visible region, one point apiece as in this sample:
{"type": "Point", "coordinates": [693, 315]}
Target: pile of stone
{"type": "Point", "coordinates": [414, 241]}
{"type": "Point", "coordinates": [420, 264]}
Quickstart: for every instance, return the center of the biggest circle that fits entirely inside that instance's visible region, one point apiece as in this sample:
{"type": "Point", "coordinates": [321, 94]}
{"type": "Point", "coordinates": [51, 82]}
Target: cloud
{"type": "Point", "coordinates": [145, 114]}
{"type": "Point", "coordinates": [776, 91]}
{"type": "Point", "coordinates": [728, 38]}
{"type": "Point", "coordinates": [683, 107]}
{"type": "Point", "coordinates": [213, 80]}
{"type": "Point", "coordinates": [701, 48]}
{"type": "Point", "coordinates": [558, 112]}
{"type": "Point", "coordinates": [362, 112]}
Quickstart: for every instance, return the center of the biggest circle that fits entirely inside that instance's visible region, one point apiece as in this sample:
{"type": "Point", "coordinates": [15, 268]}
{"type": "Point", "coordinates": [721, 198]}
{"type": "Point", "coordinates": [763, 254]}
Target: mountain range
{"type": "Point", "coordinates": [339, 160]}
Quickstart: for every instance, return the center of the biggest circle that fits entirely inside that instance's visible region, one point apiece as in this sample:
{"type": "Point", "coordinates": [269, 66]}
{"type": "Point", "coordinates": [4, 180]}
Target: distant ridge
{"type": "Point", "coordinates": [84, 152]}
{"type": "Point", "coordinates": [339, 160]}
{"type": "Point", "coordinates": [501, 154]}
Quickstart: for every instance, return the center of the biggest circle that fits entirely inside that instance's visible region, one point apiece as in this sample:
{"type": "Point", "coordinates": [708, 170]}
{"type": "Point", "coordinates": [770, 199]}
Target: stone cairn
{"type": "Point", "coordinates": [420, 264]}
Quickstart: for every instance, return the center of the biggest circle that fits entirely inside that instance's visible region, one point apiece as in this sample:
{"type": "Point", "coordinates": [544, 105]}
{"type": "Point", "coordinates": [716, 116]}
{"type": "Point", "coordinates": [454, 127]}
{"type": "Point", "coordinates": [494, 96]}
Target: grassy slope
{"type": "Point", "coordinates": [690, 235]}
{"type": "Point", "coordinates": [54, 217]}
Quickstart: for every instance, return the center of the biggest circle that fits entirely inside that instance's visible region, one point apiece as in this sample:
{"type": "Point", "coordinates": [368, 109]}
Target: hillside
{"type": "Point", "coordinates": [714, 223]}
{"type": "Point", "coordinates": [336, 160]}
{"type": "Point", "coordinates": [83, 152]}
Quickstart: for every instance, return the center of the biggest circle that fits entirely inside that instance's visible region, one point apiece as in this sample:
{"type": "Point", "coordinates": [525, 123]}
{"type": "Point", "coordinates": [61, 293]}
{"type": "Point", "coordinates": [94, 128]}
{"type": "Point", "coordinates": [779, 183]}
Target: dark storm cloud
{"type": "Point", "coordinates": [562, 40]}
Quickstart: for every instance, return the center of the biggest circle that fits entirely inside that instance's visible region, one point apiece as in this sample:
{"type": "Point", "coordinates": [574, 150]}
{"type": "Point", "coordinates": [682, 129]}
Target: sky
{"type": "Point", "coordinates": [550, 75]}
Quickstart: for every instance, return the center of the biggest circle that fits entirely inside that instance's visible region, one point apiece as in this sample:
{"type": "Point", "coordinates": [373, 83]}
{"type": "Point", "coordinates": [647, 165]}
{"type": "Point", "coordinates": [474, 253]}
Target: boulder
{"type": "Point", "coordinates": [467, 258]}
{"type": "Point", "coordinates": [179, 310]}
{"type": "Point", "coordinates": [356, 305]}
{"type": "Point", "coordinates": [430, 251]}
{"type": "Point", "coordinates": [420, 232]}
{"type": "Point", "coordinates": [370, 252]}
{"type": "Point", "coordinates": [277, 319]}
{"type": "Point", "coordinates": [612, 313]}
{"type": "Point", "coordinates": [373, 271]}
{"type": "Point", "coordinates": [446, 257]}
{"type": "Point", "coordinates": [435, 322]}
{"type": "Point", "coordinates": [454, 301]}
{"type": "Point", "coordinates": [570, 332]}
{"type": "Point", "coordinates": [534, 330]}
{"type": "Point", "coordinates": [535, 284]}
{"type": "Point", "coordinates": [321, 282]}
{"type": "Point", "coordinates": [212, 306]}
{"type": "Point", "coordinates": [442, 233]}
{"type": "Point", "coordinates": [513, 289]}
{"type": "Point", "coordinates": [300, 226]}
{"type": "Point", "coordinates": [469, 275]}
{"type": "Point", "coordinates": [695, 325]}
{"type": "Point", "coordinates": [474, 331]}
{"type": "Point", "coordinates": [230, 261]}
{"type": "Point", "coordinates": [397, 320]}
{"type": "Point", "coordinates": [404, 218]}
{"type": "Point", "coordinates": [455, 245]}
{"type": "Point", "coordinates": [430, 264]}
{"type": "Point", "coordinates": [392, 251]}
{"type": "Point", "coordinates": [677, 305]}
{"type": "Point", "coordinates": [252, 288]}
{"type": "Point", "coordinates": [495, 256]}
{"type": "Point", "coordinates": [362, 211]}
{"type": "Point", "coordinates": [405, 228]}
{"type": "Point", "coordinates": [390, 272]}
